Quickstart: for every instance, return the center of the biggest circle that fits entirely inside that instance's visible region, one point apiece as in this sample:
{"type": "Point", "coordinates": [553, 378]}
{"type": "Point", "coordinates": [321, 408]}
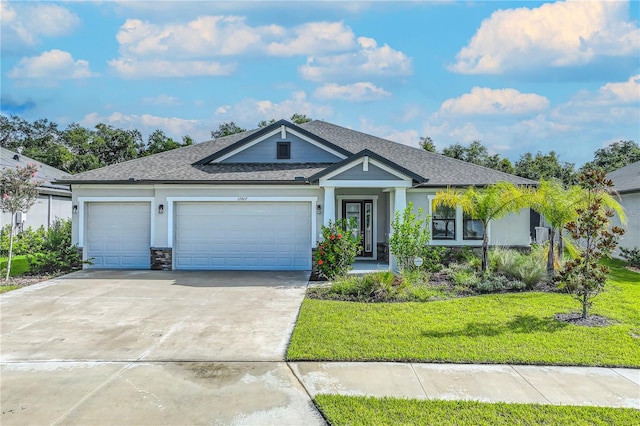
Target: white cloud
{"type": "Point", "coordinates": [314, 37]}
{"type": "Point", "coordinates": [205, 36]}
{"type": "Point", "coordinates": [209, 36]}
{"type": "Point", "coordinates": [249, 112]}
{"type": "Point", "coordinates": [146, 123]}
{"type": "Point", "coordinates": [556, 34]}
{"type": "Point", "coordinates": [200, 43]}
{"type": "Point", "coordinates": [362, 91]}
{"type": "Point", "coordinates": [369, 60]}
{"type": "Point", "coordinates": [614, 104]}
{"type": "Point", "coordinates": [24, 24]}
{"type": "Point", "coordinates": [407, 137]}
{"type": "Point", "coordinates": [628, 91]}
{"type": "Point", "coordinates": [51, 65]}
{"type": "Point", "coordinates": [133, 68]}
{"type": "Point", "coordinates": [485, 101]}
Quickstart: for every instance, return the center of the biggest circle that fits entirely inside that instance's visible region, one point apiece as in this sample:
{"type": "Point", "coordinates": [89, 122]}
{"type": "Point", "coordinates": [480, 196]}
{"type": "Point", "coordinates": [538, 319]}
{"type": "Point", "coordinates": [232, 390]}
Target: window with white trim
{"type": "Point", "coordinates": [472, 229]}
{"type": "Point", "coordinates": [443, 223]}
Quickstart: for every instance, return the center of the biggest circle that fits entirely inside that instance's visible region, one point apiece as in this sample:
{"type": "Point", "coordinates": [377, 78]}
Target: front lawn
{"type": "Point", "coordinates": [350, 410]}
{"type": "Point", "coordinates": [514, 328]}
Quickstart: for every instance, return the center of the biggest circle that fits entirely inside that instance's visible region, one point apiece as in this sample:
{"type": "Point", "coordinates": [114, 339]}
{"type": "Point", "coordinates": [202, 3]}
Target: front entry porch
{"type": "Point", "coordinates": [361, 267]}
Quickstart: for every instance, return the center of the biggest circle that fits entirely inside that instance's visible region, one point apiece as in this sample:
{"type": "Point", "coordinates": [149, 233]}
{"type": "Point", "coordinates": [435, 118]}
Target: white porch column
{"type": "Point", "coordinates": [400, 202]}
{"type": "Point", "coordinates": [329, 204]}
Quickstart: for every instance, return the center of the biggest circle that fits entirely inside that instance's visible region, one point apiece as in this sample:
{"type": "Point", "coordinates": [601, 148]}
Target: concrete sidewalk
{"type": "Point", "coordinates": [594, 386]}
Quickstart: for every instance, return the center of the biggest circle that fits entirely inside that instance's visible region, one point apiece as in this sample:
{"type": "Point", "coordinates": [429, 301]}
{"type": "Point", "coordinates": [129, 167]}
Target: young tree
{"type": "Point", "coordinates": [410, 236]}
{"type": "Point", "coordinates": [19, 191]}
{"type": "Point", "coordinates": [584, 277]}
{"type": "Point", "coordinates": [493, 202]}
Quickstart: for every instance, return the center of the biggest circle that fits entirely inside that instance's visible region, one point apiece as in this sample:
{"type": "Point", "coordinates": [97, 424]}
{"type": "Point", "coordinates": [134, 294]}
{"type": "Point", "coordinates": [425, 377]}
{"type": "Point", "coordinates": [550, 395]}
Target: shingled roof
{"type": "Point", "coordinates": [627, 178]}
{"type": "Point", "coordinates": [46, 175]}
{"type": "Point", "coordinates": [179, 165]}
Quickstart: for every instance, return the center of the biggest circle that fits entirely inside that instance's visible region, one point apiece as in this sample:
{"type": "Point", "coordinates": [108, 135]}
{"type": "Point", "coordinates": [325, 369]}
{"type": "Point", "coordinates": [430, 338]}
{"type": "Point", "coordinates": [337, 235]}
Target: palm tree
{"type": "Point", "coordinates": [558, 206]}
{"type": "Point", "coordinates": [493, 202]}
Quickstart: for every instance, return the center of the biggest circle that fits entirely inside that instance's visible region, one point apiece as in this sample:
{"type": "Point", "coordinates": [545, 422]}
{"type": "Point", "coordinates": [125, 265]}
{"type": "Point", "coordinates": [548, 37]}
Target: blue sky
{"type": "Point", "coordinates": [519, 76]}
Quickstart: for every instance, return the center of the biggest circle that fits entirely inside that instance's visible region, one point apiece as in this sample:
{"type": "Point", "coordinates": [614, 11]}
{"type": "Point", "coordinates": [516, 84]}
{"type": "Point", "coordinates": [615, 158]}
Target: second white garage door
{"type": "Point", "coordinates": [243, 235]}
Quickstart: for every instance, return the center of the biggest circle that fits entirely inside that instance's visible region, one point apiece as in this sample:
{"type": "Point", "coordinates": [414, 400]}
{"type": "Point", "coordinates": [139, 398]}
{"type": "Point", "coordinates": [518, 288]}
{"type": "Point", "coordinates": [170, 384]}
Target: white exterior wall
{"type": "Point", "coordinates": [44, 212]}
{"type": "Point", "coordinates": [511, 230]}
{"type": "Point", "coordinates": [161, 193]}
{"type": "Point", "coordinates": [631, 237]}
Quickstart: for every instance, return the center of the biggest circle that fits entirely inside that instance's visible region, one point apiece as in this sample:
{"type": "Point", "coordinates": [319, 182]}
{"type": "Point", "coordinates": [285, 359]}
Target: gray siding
{"type": "Point", "coordinates": [265, 152]}
{"type": "Point", "coordinates": [374, 173]}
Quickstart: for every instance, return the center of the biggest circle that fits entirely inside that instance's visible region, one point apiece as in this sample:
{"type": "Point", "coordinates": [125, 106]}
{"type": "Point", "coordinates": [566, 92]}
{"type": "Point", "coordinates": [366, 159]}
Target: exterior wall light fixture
{"type": "Point", "coordinates": [160, 208]}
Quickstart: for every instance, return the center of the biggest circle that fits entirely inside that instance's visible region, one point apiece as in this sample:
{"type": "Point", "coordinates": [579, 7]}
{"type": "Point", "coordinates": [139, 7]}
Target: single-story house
{"type": "Point", "coordinates": [54, 200]}
{"type": "Point", "coordinates": [257, 200]}
{"type": "Point", "coordinates": [626, 182]}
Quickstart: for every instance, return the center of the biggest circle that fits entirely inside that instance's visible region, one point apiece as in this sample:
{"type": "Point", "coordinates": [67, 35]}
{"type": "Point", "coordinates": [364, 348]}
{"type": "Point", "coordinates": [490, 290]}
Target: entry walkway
{"type": "Point", "coordinates": [593, 386]}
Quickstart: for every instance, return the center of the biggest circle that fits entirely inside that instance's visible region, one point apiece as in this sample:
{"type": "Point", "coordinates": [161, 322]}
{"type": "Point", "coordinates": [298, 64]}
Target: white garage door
{"type": "Point", "coordinates": [243, 235]}
{"type": "Point", "coordinates": [118, 235]}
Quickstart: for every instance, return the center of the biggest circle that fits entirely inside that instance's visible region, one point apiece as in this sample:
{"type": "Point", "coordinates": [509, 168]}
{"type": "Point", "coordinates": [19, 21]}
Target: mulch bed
{"type": "Point", "coordinates": [26, 280]}
{"type": "Point", "coordinates": [591, 320]}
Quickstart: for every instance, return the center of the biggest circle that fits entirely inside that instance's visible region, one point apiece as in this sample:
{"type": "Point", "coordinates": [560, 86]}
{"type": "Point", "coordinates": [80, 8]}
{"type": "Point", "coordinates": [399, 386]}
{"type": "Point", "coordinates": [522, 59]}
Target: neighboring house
{"type": "Point", "coordinates": [627, 183]}
{"type": "Point", "coordinates": [54, 200]}
{"type": "Point", "coordinates": [257, 200]}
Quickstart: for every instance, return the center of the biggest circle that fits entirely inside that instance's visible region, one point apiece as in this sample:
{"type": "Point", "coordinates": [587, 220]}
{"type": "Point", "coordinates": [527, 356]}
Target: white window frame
{"type": "Point", "coordinates": [459, 241]}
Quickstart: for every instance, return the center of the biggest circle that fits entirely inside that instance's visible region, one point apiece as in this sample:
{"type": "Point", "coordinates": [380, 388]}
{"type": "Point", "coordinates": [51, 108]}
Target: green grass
{"type": "Point", "coordinates": [350, 410]}
{"type": "Point", "coordinates": [6, 288]}
{"type": "Point", "coordinates": [19, 265]}
{"type": "Point", "coordinates": [515, 328]}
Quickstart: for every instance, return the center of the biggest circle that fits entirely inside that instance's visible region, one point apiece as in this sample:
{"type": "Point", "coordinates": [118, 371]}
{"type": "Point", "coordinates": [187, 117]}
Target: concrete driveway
{"type": "Point", "coordinates": [147, 347]}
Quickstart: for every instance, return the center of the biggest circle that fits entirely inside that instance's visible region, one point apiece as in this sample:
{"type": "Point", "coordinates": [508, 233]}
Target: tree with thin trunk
{"type": "Point", "coordinates": [19, 190]}
{"type": "Point", "coordinates": [585, 277]}
{"type": "Point", "coordinates": [493, 202]}
{"type": "Point", "coordinates": [558, 206]}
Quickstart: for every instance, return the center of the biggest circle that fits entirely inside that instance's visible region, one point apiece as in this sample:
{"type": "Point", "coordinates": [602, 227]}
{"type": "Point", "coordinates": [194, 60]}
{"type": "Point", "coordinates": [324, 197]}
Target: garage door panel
{"type": "Point", "coordinates": [248, 235]}
{"type": "Point", "coordinates": [118, 235]}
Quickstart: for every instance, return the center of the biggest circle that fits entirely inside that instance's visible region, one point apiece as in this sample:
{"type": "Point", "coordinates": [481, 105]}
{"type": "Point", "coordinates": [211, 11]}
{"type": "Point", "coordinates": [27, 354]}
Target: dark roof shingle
{"type": "Point", "coordinates": [178, 165]}
{"type": "Point", "coordinates": [627, 178]}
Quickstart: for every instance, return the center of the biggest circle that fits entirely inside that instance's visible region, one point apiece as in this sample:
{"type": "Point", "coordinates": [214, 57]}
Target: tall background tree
{"type": "Point", "coordinates": [227, 129]}
{"type": "Point", "coordinates": [614, 156]}
{"type": "Point", "coordinates": [18, 192]}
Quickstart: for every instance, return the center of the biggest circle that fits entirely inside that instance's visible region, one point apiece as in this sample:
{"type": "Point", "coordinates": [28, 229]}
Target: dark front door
{"type": "Point", "coordinates": [361, 211]}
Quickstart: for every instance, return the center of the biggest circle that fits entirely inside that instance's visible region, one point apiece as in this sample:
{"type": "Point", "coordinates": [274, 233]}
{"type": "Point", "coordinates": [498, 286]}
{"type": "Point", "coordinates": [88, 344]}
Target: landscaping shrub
{"type": "Point", "coordinates": [338, 249]}
{"type": "Point", "coordinates": [410, 238]}
{"type": "Point", "coordinates": [464, 278]}
{"type": "Point", "coordinates": [632, 256]}
{"type": "Point", "coordinates": [29, 241]}
{"type": "Point", "coordinates": [433, 257]}
{"type": "Point", "coordinates": [19, 265]}
{"type": "Point", "coordinates": [58, 254]}
{"type": "Point", "coordinates": [492, 283]}
{"type": "Point", "coordinates": [382, 286]}
{"type": "Point", "coordinates": [529, 268]}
